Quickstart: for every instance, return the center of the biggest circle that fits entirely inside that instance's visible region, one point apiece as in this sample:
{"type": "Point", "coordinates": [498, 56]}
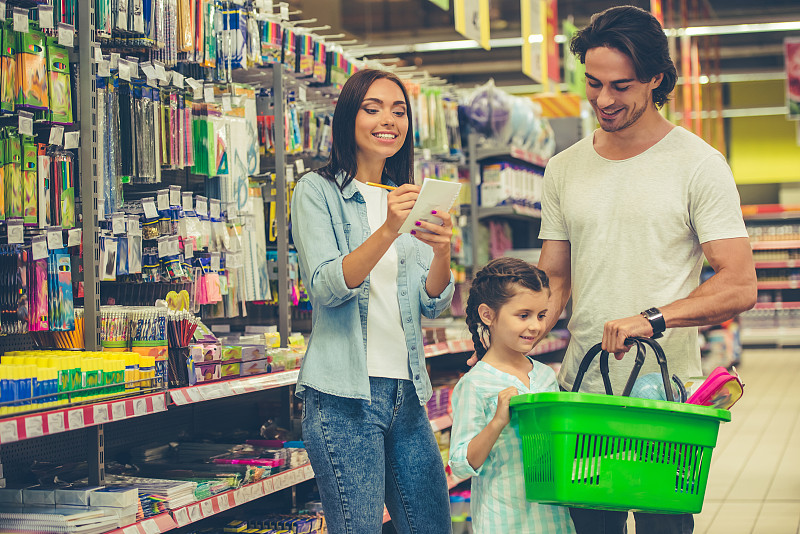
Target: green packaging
{"type": "Point", "coordinates": [8, 68]}
{"type": "Point", "coordinates": [13, 176]}
{"type": "Point", "coordinates": [32, 86]}
{"type": "Point", "coordinates": [60, 94]}
{"type": "Point", "coordinates": [30, 180]}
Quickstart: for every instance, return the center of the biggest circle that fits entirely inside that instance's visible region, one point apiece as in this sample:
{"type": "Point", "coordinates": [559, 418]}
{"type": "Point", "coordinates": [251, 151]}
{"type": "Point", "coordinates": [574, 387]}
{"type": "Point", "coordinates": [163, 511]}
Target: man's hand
{"type": "Point", "coordinates": [617, 331]}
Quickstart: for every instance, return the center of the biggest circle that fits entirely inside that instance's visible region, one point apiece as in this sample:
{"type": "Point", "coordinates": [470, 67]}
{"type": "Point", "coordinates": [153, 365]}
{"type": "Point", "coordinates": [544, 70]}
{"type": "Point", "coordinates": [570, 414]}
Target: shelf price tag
{"type": "Point", "coordinates": [133, 226]}
{"type": "Point", "coordinates": [8, 429]}
{"type": "Point", "coordinates": [74, 236]}
{"type": "Point", "coordinates": [55, 238]}
{"type": "Point", "coordinates": [163, 246]}
{"type": "Point", "coordinates": [208, 94]}
{"type": "Point", "coordinates": [226, 102]}
{"type": "Point", "coordinates": [300, 164]}
{"type": "Point", "coordinates": [66, 35]}
{"type": "Point", "coordinates": [72, 140]}
{"type": "Point", "coordinates": [214, 207]}
{"type": "Point", "coordinates": [188, 249]}
{"type": "Point", "coordinates": [39, 247]}
{"type": "Point", "coordinates": [181, 517]}
{"type": "Point", "coordinates": [149, 206]}
{"type": "Point", "coordinates": [100, 413]}
{"type": "Point", "coordinates": [208, 507]}
{"type": "Point", "coordinates": [201, 205]}
{"type": "Point", "coordinates": [2, 10]}
{"type": "Point", "coordinates": [215, 261]}
{"type": "Point", "coordinates": [118, 411]}
{"type": "Point", "coordinates": [163, 201]}
{"type": "Point", "coordinates": [34, 427]}
{"type": "Point", "coordinates": [25, 123]}
{"type": "Point", "coordinates": [117, 223]}
{"type": "Point", "coordinates": [21, 20]}
{"type": "Point", "coordinates": [75, 418]}
{"type": "Point", "coordinates": [55, 422]}
{"type": "Point", "coordinates": [16, 232]}
{"type": "Point", "coordinates": [56, 135]}
{"type": "Point", "coordinates": [186, 201]}
{"type": "Point", "coordinates": [151, 527]}
{"type": "Point", "coordinates": [175, 195]}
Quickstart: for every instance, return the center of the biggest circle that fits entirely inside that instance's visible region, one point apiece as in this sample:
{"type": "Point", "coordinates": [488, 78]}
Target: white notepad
{"type": "Point", "coordinates": [433, 195]}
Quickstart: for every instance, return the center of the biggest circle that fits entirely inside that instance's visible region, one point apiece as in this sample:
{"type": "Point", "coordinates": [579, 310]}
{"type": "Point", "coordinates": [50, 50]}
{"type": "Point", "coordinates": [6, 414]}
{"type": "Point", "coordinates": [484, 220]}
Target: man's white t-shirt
{"type": "Point", "coordinates": [387, 355]}
{"type": "Point", "coordinates": [635, 227]}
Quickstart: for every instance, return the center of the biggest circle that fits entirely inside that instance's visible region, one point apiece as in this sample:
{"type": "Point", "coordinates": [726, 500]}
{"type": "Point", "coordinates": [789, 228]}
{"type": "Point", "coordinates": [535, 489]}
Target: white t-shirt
{"type": "Point", "coordinates": [635, 227]}
{"type": "Point", "coordinates": [387, 355]}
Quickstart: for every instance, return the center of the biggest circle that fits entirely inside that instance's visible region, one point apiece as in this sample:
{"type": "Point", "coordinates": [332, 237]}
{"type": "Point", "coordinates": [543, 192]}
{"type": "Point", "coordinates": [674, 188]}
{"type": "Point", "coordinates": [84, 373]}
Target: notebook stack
{"type": "Point", "coordinates": [157, 495]}
{"type": "Point", "coordinates": [56, 519]}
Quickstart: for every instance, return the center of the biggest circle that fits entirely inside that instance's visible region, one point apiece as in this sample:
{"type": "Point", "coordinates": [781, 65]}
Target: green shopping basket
{"type": "Point", "coordinates": [616, 452]}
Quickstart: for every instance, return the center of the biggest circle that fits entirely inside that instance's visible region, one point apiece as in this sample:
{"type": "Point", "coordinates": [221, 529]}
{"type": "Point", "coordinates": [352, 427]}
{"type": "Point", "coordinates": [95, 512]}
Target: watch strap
{"type": "Point", "coordinates": [656, 319]}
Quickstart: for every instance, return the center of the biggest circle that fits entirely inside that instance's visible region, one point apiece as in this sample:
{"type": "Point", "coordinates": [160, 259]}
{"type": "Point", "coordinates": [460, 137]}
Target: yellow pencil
{"type": "Point", "coordinates": [389, 187]}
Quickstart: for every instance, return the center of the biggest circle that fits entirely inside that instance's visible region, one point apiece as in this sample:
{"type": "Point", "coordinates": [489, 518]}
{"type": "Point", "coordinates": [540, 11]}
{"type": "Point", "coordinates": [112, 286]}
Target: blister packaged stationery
{"type": "Point", "coordinates": [60, 94]}
{"type": "Point", "coordinates": [32, 80]}
{"type": "Point", "coordinates": [8, 68]}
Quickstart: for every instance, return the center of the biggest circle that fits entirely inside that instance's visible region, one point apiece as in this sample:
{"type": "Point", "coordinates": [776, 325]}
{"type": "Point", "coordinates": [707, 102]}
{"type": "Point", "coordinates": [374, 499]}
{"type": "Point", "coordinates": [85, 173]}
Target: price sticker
{"type": "Point", "coordinates": [208, 507]}
{"type": "Point", "coordinates": [25, 123]}
{"type": "Point", "coordinates": [100, 413]}
{"type": "Point", "coordinates": [72, 140]}
{"type": "Point", "coordinates": [66, 35]}
{"type": "Point", "coordinates": [74, 236]}
{"type": "Point", "coordinates": [201, 205]}
{"type": "Point", "coordinates": [133, 226]}
{"type": "Point", "coordinates": [163, 247]}
{"type": "Point", "coordinates": [159, 404]}
{"type": "Point", "coordinates": [16, 231]}
{"type": "Point", "coordinates": [75, 418]}
{"type": "Point", "coordinates": [56, 135]}
{"type": "Point", "coordinates": [214, 208]}
{"type": "Point", "coordinates": [39, 247]}
{"type": "Point", "coordinates": [55, 422]}
{"type": "Point", "coordinates": [45, 17]}
{"type": "Point", "coordinates": [149, 206]}
{"type": "Point", "coordinates": [215, 261]}
{"type": "Point", "coordinates": [223, 502]}
{"type": "Point", "coordinates": [21, 20]}
{"type": "Point", "coordinates": [118, 411]}
{"type": "Point", "coordinates": [186, 201]}
{"type": "Point", "coordinates": [163, 201]}
{"type": "Point", "coordinates": [181, 517]}
{"type": "Point", "coordinates": [151, 527]}
{"type": "Point", "coordinates": [139, 407]}
{"type": "Point", "coordinates": [8, 429]}
{"type": "Point", "coordinates": [195, 514]}
{"type": "Point", "coordinates": [175, 195]}
{"type": "Point", "coordinates": [238, 496]}
{"type": "Point", "coordinates": [117, 223]}
{"type": "Point", "coordinates": [55, 238]}
{"type": "Point", "coordinates": [34, 427]}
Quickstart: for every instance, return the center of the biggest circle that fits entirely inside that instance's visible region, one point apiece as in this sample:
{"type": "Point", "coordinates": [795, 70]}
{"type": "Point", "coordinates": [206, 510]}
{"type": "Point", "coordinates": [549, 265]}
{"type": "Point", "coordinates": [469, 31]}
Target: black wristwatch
{"type": "Point", "coordinates": [656, 319]}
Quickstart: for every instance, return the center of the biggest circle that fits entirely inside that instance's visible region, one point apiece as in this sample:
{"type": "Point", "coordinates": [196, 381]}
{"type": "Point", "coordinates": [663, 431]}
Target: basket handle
{"type": "Point", "coordinates": [640, 343]}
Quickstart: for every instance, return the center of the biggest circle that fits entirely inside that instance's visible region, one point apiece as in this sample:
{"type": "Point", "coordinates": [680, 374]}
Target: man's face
{"type": "Point", "coordinates": [619, 99]}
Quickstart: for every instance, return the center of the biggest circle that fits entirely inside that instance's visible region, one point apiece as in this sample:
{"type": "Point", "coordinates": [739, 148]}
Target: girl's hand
{"type": "Point", "coordinates": [437, 236]}
{"type": "Point", "coordinates": [503, 414]}
{"type": "Point", "coordinates": [399, 204]}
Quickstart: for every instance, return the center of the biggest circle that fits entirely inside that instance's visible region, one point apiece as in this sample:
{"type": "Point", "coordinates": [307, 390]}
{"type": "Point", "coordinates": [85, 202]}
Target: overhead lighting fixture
{"type": "Point", "coordinates": [512, 42]}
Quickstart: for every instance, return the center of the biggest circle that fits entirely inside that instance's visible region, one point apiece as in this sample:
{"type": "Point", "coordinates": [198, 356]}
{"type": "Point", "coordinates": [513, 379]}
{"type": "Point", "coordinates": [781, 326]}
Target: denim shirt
{"type": "Point", "coordinates": [328, 224]}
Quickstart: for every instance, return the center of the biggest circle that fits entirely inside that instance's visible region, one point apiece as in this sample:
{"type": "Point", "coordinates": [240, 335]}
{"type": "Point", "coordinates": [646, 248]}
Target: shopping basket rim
{"type": "Point", "coordinates": [564, 398]}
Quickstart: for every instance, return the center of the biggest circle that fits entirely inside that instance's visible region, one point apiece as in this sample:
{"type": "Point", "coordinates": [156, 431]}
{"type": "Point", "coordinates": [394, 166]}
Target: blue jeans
{"type": "Point", "coordinates": [367, 453]}
{"type": "Point", "coordinates": [588, 521]}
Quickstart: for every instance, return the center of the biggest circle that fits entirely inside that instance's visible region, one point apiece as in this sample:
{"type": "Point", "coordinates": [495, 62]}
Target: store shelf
{"type": "Point", "coordinates": [436, 349]}
{"type": "Point", "coordinates": [775, 245]}
{"type": "Point", "coordinates": [35, 425]}
{"type": "Point", "coordinates": [770, 336]}
{"type": "Point", "coordinates": [458, 346]}
{"type": "Point", "coordinates": [232, 387]}
{"type": "Point", "coordinates": [510, 211]}
{"type": "Point", "coordinates": [772, 216]}
{"type": "Point", "coordinates": [785, 264]}
{"type": "Point", "coordinates": [549, 346]}
{"type": "Point", "coordinates": [777, 306]}
{"type": "Point", "coordinates": [200, 510]}
{"type": "Point", "coordinates": [780, 284]}
{"type": "Point", "coordinates": [491, 152]}
{"type": "Point", "coordinates": [441, 423]}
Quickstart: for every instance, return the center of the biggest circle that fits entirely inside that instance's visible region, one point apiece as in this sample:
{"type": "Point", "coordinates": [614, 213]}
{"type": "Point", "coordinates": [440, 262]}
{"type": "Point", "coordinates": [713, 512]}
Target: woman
{"type": "Point", "coordinates": [363, 379]}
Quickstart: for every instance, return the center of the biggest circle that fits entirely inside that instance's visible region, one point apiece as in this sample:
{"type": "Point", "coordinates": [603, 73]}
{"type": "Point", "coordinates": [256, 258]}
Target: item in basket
{"type": "Point", "coordinates": [720, 390]}
{"type": "Point", "coordinates": [651, 386]}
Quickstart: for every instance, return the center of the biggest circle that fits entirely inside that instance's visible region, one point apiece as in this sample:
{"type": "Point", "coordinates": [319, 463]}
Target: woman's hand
{"type": "Point", "coordinates": [437, 236]}
{"type": "Point", "coordinates": [503, 414]}
{"type": "Point", "coordinates": [399, 204]}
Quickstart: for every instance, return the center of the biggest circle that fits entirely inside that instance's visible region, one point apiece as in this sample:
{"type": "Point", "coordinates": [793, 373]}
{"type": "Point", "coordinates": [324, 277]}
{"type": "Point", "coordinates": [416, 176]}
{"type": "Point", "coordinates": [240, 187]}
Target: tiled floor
{"type": "Point", "coordinates": [754, 483]}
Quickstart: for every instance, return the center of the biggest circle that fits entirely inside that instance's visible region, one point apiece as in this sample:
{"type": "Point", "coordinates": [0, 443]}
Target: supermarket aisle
{"type": "Point", "coordinates": [754, 484]}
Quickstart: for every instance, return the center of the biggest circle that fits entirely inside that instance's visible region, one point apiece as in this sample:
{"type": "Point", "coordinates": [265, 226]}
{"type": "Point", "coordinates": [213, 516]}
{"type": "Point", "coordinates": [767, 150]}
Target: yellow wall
{"type": "Point", "coordinates": [762, 149]}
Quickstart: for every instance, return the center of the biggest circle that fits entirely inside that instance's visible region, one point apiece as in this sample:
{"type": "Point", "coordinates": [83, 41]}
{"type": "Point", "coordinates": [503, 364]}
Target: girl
{"type": "Point", "coordinates": [505, 312]}
{"type": "Point", "coordinates": [363, 379]}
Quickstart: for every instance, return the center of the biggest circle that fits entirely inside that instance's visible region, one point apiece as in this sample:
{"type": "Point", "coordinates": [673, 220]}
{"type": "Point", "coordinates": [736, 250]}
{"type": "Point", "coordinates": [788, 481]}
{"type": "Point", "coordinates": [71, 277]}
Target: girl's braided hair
{"type": "Point", "coordinates": [493, 286]}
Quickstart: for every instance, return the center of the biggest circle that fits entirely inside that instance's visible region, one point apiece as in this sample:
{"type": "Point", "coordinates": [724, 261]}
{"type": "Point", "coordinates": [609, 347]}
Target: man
{"type": "Point", "coordinates": [627, 215]}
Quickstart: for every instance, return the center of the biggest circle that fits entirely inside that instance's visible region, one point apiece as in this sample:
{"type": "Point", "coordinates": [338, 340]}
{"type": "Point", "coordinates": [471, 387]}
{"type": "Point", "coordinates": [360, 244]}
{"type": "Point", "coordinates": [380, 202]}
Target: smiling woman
{"type": "Point", "coordinates": [363, 379]}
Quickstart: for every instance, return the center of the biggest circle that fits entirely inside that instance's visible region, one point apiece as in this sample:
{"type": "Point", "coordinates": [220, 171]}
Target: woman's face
{"type": "Point", "coordinates": [382, 121]}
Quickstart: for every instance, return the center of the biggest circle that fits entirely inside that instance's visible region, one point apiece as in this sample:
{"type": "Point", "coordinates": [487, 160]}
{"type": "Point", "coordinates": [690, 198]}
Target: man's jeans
{"type": "Point", "coordinates": [367, 453]}
{"type": "Point", "coordinates": [603, 522]}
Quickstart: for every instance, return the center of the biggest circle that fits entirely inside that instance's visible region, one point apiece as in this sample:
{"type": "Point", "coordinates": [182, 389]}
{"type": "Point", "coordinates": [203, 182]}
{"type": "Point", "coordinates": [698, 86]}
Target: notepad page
{"type": "Point", "coordinates": [436, 195]}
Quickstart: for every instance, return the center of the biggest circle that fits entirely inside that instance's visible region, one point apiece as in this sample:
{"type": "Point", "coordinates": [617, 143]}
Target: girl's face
{"type": "Point", "coordinates": [381, 122]}
{"type": "Point", "coordinates": [516, 326]}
